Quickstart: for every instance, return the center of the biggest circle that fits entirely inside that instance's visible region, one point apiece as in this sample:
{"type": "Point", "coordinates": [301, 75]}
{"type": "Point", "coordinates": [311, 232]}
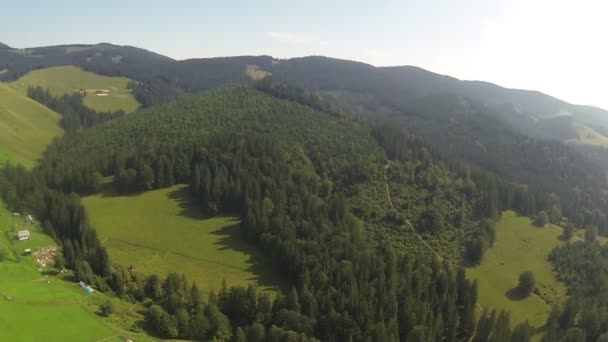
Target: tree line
{"type": "Point", "coordinates": [74, 114]}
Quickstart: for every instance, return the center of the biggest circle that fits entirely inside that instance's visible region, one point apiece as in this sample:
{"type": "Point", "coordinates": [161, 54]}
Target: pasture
{"type": "Point", "coordinates": [27, 127]}
{"type": "Point", "coordinates": [519, 247]}
{"type": "Point", "coordinates": [35, 306]}
{"type": "Point", "coordinates": [69, 79]}
{"type": "Point", "coordinates": [163, 231]}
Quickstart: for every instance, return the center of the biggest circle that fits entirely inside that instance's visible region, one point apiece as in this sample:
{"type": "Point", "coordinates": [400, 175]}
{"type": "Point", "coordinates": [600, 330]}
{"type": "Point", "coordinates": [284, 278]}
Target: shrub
{"type": "Point", "coordinates": [541, 219]}
{"type": "Point", "coordinates": [527, 283]}
{"type": "Point", "coordinates": [107, 308]}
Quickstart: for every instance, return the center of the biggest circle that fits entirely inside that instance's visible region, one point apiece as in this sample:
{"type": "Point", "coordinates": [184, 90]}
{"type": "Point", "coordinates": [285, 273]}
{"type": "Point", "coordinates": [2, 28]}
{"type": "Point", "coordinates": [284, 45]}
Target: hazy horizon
{"type": "Point", "coordinates": [554, 47]}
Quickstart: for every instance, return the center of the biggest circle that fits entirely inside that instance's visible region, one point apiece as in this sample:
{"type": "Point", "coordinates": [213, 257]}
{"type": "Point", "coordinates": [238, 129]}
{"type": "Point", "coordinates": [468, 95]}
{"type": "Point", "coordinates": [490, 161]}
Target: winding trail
{"type": "Point", "coordinates": [390, 202]}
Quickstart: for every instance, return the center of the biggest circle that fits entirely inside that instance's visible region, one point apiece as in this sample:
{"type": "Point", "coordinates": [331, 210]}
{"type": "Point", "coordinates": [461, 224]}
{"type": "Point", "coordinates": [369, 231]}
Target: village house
{"type": "Point", "coordinates": [23, 235]}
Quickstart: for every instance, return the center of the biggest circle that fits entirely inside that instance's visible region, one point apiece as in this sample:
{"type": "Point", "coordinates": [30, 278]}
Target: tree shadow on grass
{"type": "Point", "coordinates": [107, 190]}
{"type": "Point", "coordinates": [187, 203]}
{"type": "Point", "coordinates": [231, 237]}
{"type": "Point", "coordinates": [516, 294]}
{"type": "Point", "coordinates": [261, 266]}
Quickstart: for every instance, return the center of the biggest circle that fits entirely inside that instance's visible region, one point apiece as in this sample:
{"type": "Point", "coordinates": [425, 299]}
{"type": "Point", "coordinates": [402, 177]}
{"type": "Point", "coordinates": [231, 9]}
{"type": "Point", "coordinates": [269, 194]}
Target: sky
{"type": "Point", "coordinates": [555, 46]}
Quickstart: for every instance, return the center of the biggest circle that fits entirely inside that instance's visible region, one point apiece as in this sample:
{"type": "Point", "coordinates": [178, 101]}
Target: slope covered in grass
{"type": "Point", "coordinates": [35, 306]}
{"type": "Point", "coordinates": [519, 247]}
{"type": "Point", "coordinates": [163, 231]}
{"type": "Point", "coordinates": [69, 79]}
{"type": "Point", "coordinates": [26, 127]}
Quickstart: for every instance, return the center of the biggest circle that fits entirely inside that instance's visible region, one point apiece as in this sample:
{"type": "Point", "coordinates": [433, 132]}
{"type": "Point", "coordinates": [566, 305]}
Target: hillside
{"type": "Point", "coordinates": [335, 202]}
{"type": "Point", "coordinates": [102, 56]}
{"type": "Point", "coordinates": [69, 79]}
{"type": "Point", "coordinates": [525, 110]}
{"type": "Point", "coordinates": [26, 126]}
{"type": "Point", "coordinates": [393, 87]}
{"type": "Point", "coordinates": [367, 225]}
{"type": "Point", "coordinates": [519, 247]}
{"type": "Point", "coordinates": [31, 299]}
{"type": "Point", "coordinates": [209, 250]}
{"type": "Point", "coordinates": [376, 89]}
{"type": "Point", "coordinates": [466, 121]}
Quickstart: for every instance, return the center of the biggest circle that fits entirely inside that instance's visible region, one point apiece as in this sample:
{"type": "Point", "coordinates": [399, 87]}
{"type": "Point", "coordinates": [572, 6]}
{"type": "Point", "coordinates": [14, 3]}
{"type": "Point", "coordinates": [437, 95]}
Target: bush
{"type": "Point", "coordinates": [107, 308]}
{"type": "Point", "coordinates": [590, 234]}
{"type": "Point", "coordinates": [568, 231]}
{"type": "Point", "coordinates": [541, 219]}
{"type": "Point", "coordinates": [527, 283]}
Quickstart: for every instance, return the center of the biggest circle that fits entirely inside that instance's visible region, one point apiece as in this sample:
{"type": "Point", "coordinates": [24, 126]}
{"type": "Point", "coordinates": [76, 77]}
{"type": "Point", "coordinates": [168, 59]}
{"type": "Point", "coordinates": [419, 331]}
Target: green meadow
{"type": "Point", "coordinates": [26, 126]}
{"type": "Point", "coordinates": [162, 231]}
{"type": "Point", "coordinates": [69, 79]}
{"type": "Point", "coordinates": [519, 247]}
{"type": "Point", "coordinates": [36, 305]}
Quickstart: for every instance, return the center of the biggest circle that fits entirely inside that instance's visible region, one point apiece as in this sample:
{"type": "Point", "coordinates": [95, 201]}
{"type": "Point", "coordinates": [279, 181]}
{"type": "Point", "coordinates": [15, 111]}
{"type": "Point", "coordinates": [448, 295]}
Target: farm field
{"type": "Point", "coordinates": [69, 79]}
{"type": "Point", "coordinates": [37, 307]}
{"type": "Point", "coordinates": [162, 231]}
{"type": "Point", "coordinates": [519, 247]}
{"type": "Point", "coordinates": [26, 126]}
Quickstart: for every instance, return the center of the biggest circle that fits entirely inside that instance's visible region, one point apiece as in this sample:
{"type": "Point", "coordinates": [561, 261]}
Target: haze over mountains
{"type": "Point", "coordinates": [369, 191]}
{"type": "Point", "coordinates": [530, 112]}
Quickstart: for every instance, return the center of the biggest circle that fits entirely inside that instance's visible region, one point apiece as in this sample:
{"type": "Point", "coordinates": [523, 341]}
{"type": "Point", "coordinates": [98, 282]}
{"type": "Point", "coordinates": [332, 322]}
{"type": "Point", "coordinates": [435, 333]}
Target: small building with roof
{"type": "Point", "coordinates": [23, 235]}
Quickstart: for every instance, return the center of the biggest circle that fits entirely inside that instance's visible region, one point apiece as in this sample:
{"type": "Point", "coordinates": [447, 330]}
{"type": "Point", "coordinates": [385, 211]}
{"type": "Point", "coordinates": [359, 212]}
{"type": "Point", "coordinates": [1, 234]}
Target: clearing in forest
{"type": "Point", "coordinates": [163, 231]}
{"type": "Point", "coordinates": [26, 126]}
{"type": "Point", "coordinates": [519, 247]}
{"type": "Point", "coordinates": [103, 93]}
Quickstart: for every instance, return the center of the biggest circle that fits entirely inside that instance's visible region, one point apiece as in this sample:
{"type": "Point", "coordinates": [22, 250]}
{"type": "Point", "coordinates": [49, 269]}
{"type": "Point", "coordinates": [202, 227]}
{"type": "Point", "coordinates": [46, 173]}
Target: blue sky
{"type": "Point", "coordinates": [555, 46]}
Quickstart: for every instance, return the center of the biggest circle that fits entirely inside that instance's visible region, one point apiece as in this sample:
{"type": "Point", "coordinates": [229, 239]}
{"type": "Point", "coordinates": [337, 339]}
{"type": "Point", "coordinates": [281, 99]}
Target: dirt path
{"type": "Point", "coordinates": [407, 222]}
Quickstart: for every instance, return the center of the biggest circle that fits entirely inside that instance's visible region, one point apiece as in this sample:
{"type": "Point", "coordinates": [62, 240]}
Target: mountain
{"type": "Point", "coordinates": [384, 88]}
{"type": "Point", "coordinates": [467, 121]}
{"type": "Point", "coordinates": [369, 221]}
{"type": "Point", "coordinates": [335, 201]}
{"type": "Point", "coordinates": [102, 57]}
{"type": "Point", "coordinates": [528, 112]}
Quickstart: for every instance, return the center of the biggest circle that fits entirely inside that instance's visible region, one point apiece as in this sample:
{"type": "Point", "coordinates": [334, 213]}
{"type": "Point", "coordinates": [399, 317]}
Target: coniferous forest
{"type": "Point", "coordinates": [310, 186]}
{"type": "Point", "coordinates": [368, 187]}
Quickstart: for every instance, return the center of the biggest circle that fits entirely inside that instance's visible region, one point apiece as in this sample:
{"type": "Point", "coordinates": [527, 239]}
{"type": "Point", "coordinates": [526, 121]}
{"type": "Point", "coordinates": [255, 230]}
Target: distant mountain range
{"type": "Point", "coordinates": [387, 88]}
{"type": "Point", "coordinates": [467, 120]}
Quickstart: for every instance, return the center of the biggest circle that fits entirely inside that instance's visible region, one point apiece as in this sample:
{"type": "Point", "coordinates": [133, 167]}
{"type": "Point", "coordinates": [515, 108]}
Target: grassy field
{"type": "Point", "coordinates": [69, 79]}
{"type": "Point", "coordinates": [35, 306]}
{"type": "Point", "coordinates": [162, 231]}
{"type": "Point", "coordinates": [26, 127]}
{"type": "Point", "coordinates": [519, 247]}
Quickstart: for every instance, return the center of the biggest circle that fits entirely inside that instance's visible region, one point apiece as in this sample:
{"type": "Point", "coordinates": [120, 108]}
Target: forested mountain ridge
{"type": "Point", "coordinates": [104, 56]}
{"type": "Point", "coordinates": [369, 224]}
{"type": "Point", "coordinates": [389, 88]}
{"type": "Point", "coordinates": [397, 85]}
{"type": "Point", "coordinates": [295, 176]}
